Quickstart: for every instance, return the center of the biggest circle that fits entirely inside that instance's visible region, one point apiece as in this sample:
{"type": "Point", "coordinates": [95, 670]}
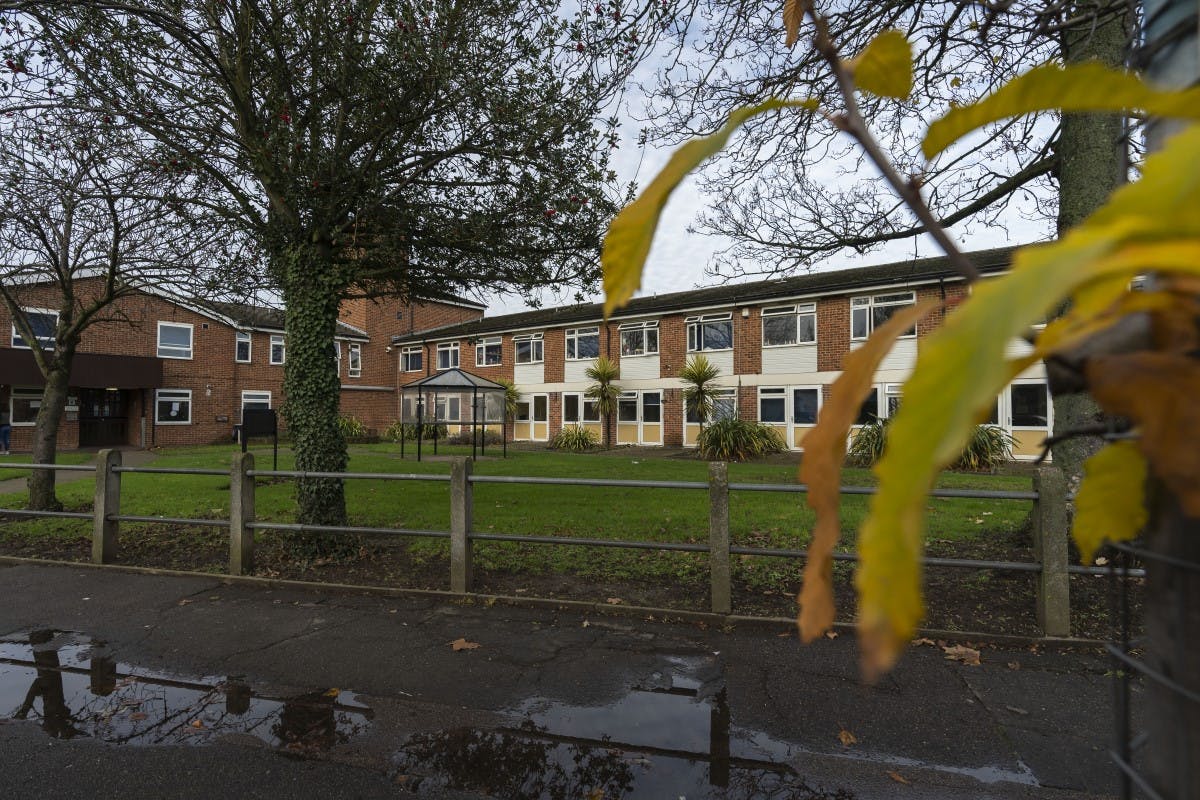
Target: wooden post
{"type": "Point", "coordinates": [461, 509]}
{"type": "Point", "coordinates": [1050, 550]}
{"type": "Point", "coordinates": [241, 515]}
{"type": "Point", "coordinates": [718, 537]}
{"type": "Point", "coordinates": [107, 503]}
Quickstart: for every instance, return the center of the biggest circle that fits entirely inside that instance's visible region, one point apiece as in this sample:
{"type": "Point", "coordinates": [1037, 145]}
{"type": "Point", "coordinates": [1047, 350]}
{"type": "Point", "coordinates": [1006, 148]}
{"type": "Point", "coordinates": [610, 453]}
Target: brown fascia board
{"type": "Point", "coordinates": [840, 282]}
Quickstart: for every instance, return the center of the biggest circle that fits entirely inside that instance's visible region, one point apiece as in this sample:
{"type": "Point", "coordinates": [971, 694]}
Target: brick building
{"type": "Point", "coordinates": [779, 344]}
{"type": "Point", "coordinates": [162, 370]}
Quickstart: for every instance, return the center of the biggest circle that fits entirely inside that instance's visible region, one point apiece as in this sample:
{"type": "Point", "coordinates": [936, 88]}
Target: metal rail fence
{"type": "Point", "coordinates": [1052, 594]}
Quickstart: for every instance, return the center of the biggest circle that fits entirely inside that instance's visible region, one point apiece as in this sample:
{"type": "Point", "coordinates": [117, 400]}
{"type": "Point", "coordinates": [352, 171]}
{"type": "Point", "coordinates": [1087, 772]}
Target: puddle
{"type": "Point", "coordinates": [71, 686]}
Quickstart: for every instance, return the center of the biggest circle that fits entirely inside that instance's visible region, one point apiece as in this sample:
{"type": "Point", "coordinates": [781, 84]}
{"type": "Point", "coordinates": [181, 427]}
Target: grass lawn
{"type": "Point", "coordinates": [8, 473]}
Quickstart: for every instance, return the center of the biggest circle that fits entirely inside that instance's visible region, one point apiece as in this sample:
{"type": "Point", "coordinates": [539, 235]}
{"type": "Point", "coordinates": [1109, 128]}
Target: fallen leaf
{"type": "Point", "coordinates": [138, 716]}
{"type": "Point", "coordinates": [332, 693]}
{"type": "Point", "coordinates": [595, 794]}
{"type": "Point", "coordinates": [197, 724]}
{"type": "Point", "coordinates": [831, 634]}
{"type": "Point", "coordinates": [587, 624]}
{"type": "Point", "coordinates": [614, 601]}
{"type": "Point", "coordinates": [1014, 665]}
{"type": "Point", "coordinates": [463, 644]}
{"type": "Point", "coordinates": [847, 738]}
{"type": "Point", "coordinates": [897, 777]}
{"type": "Point", "coordinates": [960, 652]}
{"type": "Point", "coordinates": [923, 642]}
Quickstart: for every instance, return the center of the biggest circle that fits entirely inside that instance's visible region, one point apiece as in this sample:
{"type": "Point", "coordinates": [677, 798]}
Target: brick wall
{"type": "Point", "coordinates": [833, 332]}
{"type": "Point", "coordinates": [747, 342]}
{"type": "Point", "coordinates": [672, 345]}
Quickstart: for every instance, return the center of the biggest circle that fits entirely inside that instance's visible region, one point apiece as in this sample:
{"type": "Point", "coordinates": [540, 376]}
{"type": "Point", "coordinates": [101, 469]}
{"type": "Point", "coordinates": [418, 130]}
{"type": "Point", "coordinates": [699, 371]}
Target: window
{"type": "Point", "coordinates": [805, 405]}
{"type": "Point", "coordinates": [772, 405]}
{"type": "Point", "coordinates": [627, 407]}
{"type": "Point", "coordinates": [278, 349]}
{"type": "Point", "coordinates": [710, 332]}
{"type": "Point", "coordinates": [255, 400]}
{"type": "Point", "coordinates": [789, 325]}
{"type": "Point", "coordinates": [529, 348]}
{"type": "Point", "coordinates": [488, 352]}
{"type": "Point", "coordinates": [869, 411]}
{"type": "Point", "coordinates": [241, 347]}
{"type": "Point", "coordinates": [447, 355]}
{"type": "Point", "coordinates": [891, 396]}
{"type": "Point", "coordinates": [868, 313]}
{"type": "Point", "coordinates": [174, 340]}
{"type": "Point", "coordinates": [651, 407]}
{"type": "Point", "coordinates": [493, 407]}
{"type": "Point", "coordinates": [411, 358]}
{"type": "Point", "coordinates": [1030, 405]}
{"type": "Point", "coordinates": [579, 408]}
{"type": "Point", "coordinates": [23, 406]}
{"type": "Point", "coordinates": [724, 407]}
{"type": "Point", "coordinates": [337, 357]}
{"type": "Point", "coordinates": [639, 338]}
{"type": "Point", "coordinates": [173, 406]}
{"type": "Point", "coordinates": [355, 351]}
{"type": "Point", "coordinates": [448, 409]}
{"type": "Point", "coordinates": [44, 323]}
{"type": "Point", "coordinates": [583, 344]}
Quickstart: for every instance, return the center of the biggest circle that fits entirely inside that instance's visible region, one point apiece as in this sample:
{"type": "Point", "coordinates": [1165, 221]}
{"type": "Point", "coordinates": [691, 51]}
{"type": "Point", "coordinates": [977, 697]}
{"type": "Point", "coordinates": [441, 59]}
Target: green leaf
{"type": "Point", "coordinates": [628, 240]}
{"type": "Point", "coordinates": [1090, 86]}
{"type": "Point", "coordinates": [885, 67]}
{"type": "Point", "coordinates": [1111, 503]}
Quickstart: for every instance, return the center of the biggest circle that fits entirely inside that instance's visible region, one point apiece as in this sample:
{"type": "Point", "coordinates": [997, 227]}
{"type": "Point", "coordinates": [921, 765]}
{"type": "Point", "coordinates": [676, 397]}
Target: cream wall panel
{"type": "Point", "coordinates": [798, 358]}
{"type": "Point", "coordinates": [639, 367]}
{"type": "Point", "coordinates": [527, 374]}
{"type": "Point", "coordinates": [574, 370]}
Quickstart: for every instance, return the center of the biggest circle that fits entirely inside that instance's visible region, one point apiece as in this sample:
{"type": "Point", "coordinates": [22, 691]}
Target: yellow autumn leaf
{"type": "Point", "coordinates": [629, 236]}
{"type": "Point", "coordinates": [1110, 505]}
{"type": "Point", "coordinates": [885, 66]}
{"type": "Point", "coordinates": [821, 470]}
{"type": "Point", "coordinates": [1090, 86]}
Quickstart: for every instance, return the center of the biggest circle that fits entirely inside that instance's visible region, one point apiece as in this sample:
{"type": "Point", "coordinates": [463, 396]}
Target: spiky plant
{"type": "Point", "coordinates": [699, 393]}
{"type": "Point", "coordinates": [575, 438]}
{"type": "Point", "coordinates": [738, 439]}
{"type": "Point", "coordinates": [604, 391]}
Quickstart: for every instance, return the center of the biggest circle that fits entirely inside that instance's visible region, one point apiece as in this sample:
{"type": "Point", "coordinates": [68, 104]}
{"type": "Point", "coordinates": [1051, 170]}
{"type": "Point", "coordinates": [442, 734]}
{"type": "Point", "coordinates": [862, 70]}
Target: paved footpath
{"type": "Point", "coordinates": [136, 685]}
{"type": "Point", "coordinates": [130, 457]}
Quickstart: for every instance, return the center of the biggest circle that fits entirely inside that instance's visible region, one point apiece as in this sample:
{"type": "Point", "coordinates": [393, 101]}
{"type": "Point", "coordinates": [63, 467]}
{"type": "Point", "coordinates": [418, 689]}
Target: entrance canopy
{"type": "Point", "coordinates": [88, 370]}
{"type": "Point", "coordinates": [453, 398]}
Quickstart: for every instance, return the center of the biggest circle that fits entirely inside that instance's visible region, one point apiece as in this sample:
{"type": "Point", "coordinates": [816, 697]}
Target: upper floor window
{"type": "Point", "coordinates": [488, 352]}
{"type": "Point", "coordinates": [278, 349]}
{"type": "Point", "coordinates": [241, 347]}
{"type": "Point", "coordinates": [447, 355]}
{"type": "Point", "coordinates": [583, 344]}
{"type": "Point", "coordinates": [868, 313]}
{"type": "Point", "coordinates": [789, 325]}
{"type": "Point", "coordinates": [355, 354]}
{"type": "Point", "coordinates": [44, 323]}
{"type": "Point", "coordinates": [529, 348]}
{"type": "Point", "coordinates": [639, 338]}
{"type": "Point", "coordinates": [411, 359]}
{"type": "Point", "coordinates": [710, 332]}
{"type": "Point", "coordinates": [174, 340]}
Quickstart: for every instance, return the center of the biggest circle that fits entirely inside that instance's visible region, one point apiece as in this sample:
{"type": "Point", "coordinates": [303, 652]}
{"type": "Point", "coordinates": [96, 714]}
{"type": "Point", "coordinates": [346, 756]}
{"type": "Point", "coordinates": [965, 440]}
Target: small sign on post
{"type": "Point", "coordinates": [261, 422]}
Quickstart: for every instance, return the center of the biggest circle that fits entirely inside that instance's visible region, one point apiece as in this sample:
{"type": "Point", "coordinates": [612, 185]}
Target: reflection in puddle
{"type": "Point", "coordinates": [71, 687]}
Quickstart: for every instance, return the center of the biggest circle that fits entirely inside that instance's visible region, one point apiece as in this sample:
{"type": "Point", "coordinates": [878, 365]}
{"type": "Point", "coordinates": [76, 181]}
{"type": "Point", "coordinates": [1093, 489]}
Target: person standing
{"type": "Point", "coordinates": [5, 431]}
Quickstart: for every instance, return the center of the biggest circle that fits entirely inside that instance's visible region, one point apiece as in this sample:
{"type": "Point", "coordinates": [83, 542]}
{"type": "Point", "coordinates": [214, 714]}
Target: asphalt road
{"type": "Point", "coordinates": [137, 685]}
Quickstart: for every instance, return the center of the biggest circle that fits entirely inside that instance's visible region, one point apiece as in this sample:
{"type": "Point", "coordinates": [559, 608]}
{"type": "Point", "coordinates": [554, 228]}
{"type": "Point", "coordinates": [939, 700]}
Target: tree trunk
{"type": "Point", "coordinates": [45, 434]}
{"type": "Point", "coordinates": [312, 291]}
{"type": "Point", "coordinates": [1093, 162]}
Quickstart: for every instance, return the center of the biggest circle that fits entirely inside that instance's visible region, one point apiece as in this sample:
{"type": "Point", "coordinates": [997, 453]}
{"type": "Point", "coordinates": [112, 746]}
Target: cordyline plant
{"type": "Point", "coordinates": [1135, 351]}
{"type": "Point", "coordinates": [699, 376]}
{"type": "Point", "coordinates": [604, 390]}
{"type": "Point", "coordinates": [405, 147]}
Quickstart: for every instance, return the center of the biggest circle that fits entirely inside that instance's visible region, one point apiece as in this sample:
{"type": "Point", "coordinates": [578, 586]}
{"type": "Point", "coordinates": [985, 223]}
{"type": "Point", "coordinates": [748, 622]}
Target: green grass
{"type": "Point", "coordinates": [9, 473]}
{"type": "Point", "coordinates": [758, 519]}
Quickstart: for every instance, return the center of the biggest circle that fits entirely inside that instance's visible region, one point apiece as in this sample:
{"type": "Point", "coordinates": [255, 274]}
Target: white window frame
{"type": "Point", "coordinates": [337, 357]}
{"type": "Point", "coordinates": [25, 393]}
{"type": "Point", "coordinates": [173, 348]}
{"type": "Point", "coordinates": [573, 335]}
{"type": "Point", "coordinates": [773, 393]}
{"type": "Point", "coordinates": [537, 350]}
{"type": "Point", "coordinates": [280, 341]}
{"type": "Point", "coordinates": [1049, 424]}
{"type": "Point", "coordinates": [447, 347]}
{"type": "Point", "coordinates": [695, 336]}
{"type": "Point", "coordinates": [723, 393]}
{"type": "Point", "coordinates": [184, 395]}
{"type": "Point", "coordinates": [18, 341]}
{"type": "Point", "coordinates": [481, 348]}
{"type": "Point", "coordinates": [240, 337]}
{"type": "Point", "coordinates": [892, 391]}
{"type": "Point", "coordinates": [354, 359]}
{"type": "Point", "coordinates": [867, 305]}
{"type": "Point", "coordinates": [796, 311]}
{"type": "Point", "coordinates": [406, 355]}
{"type": "Point", "coordinates": [444, 401]}
{"type": "Point", "coordinates": [643, 329]}
{"type": "Point", "coordinates": [585, 403]}
{"type": "Point", "coordinates": [252, 395]}
{"type": "Point", "coordinates": [791, 395]}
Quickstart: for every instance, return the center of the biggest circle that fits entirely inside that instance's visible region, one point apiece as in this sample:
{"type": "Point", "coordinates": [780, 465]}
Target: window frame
{"type": "Point", "coordinates": [482, 346]}
{"type": "Point", "coordinates": [191, 347]}
{"type": "Point", "coordinates": [259, 393]}
{"type": "Point", "coordinates": [571, 343]}
{"type": "Point", "coordinates": [779, 393]}
{"type": "Point", "coordinates": [176, 394]}
{"type": "Point", "coordinates": [444, 402]}
{"type": "Point", "coordinates": [1012, 424]}
{"type": "Point", "coordinates": [448, 347]}
{"type": "Point", "coordinates": [536, 344]}
{"type": "Point", "coordinates": [796, 312]}
{"type": "Point", "coordinates": [240, 338]}
{"type": "Point", "coordinates": [406, 354]}
{"type": "Point", "coordinates": [723, 394]}
{"type": "Point", "coordinates": [18, 341]}
{"type": "Point", "coordinates": [695, 336]}
{"type": "Point", "coordinates": [26, 393]}
{"type": "Point", "coordinates": [818, 391]}
{"type": "Point", "coordinates": [354, 359]}
{"type": "Point", "coordinates": [642, 329]}
{"type": "Point", "coordinates": [280, 341]}
{"type": "Point", "coordinates": [868, 303]}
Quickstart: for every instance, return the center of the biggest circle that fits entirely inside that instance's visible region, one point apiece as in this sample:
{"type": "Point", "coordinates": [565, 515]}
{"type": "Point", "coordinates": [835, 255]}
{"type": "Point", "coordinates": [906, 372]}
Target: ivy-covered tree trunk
{"type": "Point", "coordinates": [42, 496]}
{"type": "Point", "coordinates": [312, 290]}
{"type": "Point", "coordinates": [1093, 162]}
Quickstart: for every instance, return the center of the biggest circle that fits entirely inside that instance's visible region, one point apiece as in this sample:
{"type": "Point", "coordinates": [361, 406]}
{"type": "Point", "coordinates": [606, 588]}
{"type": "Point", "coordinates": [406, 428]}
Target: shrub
{"type": "Point", "coordinates": [866, 447]}
{"type": "Point", "coordinates": [489, 437]}
{"type": "Point", "coordinates": [575, 438]}
{"type": "Point", "coordinates": [738, 439]}
{"type": "Point", "coordinates": [988, 447]}
{"type": "Point", "coordinates": [409, 431]}
{"type": "Point", "coordinates": [351, 427]}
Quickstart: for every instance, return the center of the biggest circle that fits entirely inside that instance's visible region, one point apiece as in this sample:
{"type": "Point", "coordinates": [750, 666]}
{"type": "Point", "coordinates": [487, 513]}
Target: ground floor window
{"type": "Point", "coordinates": [578, 408]}
{"type": "Point", "coordinates": [23, 406]}
{"type": "Point", "coordinates": [724, 407]}
{"type": "Point", "coordinates": [1030, 405]}
{"type": "Point", "coordinates": [255, 400]}
{"type": "Point", "coordinates": [173, 406]}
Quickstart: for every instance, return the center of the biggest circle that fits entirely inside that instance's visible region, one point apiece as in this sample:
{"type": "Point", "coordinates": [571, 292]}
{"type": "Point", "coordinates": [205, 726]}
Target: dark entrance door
{"type": "Point", "coordinates": [103, 417]}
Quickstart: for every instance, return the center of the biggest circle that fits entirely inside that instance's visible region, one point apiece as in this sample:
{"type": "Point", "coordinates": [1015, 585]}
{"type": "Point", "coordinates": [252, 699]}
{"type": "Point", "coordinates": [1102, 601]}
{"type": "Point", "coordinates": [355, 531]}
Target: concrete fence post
{"type": "Point", "coordinates": [106, 504]}
{"type": "Point", "coordinates": [1050, 550]}
{"type": "Point", "coordinates": [718, 537]}
{"type": "Point", "coordinates": [462, 505]}
{"type": "Point", "coordinates": [241, 515]}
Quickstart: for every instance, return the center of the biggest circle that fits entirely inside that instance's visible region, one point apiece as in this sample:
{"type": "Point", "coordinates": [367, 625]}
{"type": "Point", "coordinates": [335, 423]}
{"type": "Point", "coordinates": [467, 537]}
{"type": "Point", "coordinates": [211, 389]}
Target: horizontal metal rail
{"type": "Point", "coordinates": [173, 471]}
{"type": "Point", "coordinates": [373, 476]}
{"type": "Point", "coordinates": [214, 523]}
{"type": "Point", "coordinates": [929, 561]}
{"type": "Point", "coordinates": [21, 512]}
{"type": "Point", "coordinates": [685, 547]}
{"type": "Point", "coordinates": [800, 488]}
{"type": "Point", "coordinates": [301, 528]}
{"type": "Point", "coordinates": [625, 484]}
{"type": "Point", "coordinates": [56, 467]}
{"type": "Point", "coordinates": [1121, 572]}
